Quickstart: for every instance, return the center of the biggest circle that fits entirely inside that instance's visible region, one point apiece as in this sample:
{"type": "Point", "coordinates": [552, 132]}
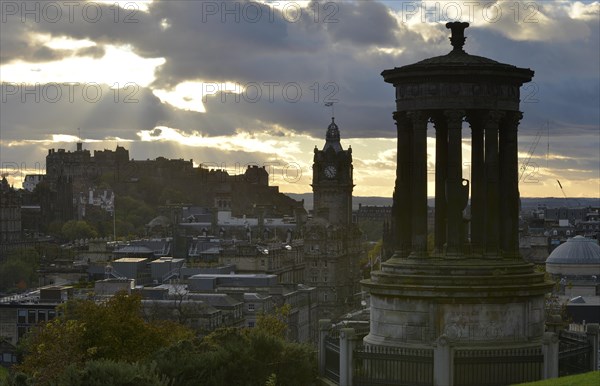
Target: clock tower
{"type": "Point", "coordinates": [332, 242]}
{"type": "Point", "coordinates": [332, 180]}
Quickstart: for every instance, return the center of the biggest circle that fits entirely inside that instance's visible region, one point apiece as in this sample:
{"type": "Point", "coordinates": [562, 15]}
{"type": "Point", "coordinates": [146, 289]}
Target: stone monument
{"type": "Point", "coordinates": [471, 299]}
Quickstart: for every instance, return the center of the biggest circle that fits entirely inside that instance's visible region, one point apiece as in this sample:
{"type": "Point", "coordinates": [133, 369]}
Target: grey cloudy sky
{"type": "Point", "coordinates": [245, 82]}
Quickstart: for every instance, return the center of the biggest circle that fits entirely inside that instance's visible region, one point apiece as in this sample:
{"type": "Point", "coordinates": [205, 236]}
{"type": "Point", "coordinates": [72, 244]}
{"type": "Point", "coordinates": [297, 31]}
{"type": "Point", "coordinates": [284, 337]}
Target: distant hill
{"type": "Point", "coordinates": [527, 203]}
{"type": "Point", "coordinates": [308, 200]}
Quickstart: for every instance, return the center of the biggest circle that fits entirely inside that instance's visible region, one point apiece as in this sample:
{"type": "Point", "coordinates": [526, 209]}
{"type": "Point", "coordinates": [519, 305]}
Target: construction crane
{"type": "Point", "coordinates": [530, 152]}
{"type": "Point", "coordinates": [564, 194]}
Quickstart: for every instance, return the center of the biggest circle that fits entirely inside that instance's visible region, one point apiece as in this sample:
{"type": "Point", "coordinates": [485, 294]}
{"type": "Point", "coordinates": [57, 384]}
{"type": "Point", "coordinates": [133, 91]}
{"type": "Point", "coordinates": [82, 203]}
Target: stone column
{"type": "Point", "coordinates": [442, 363]}
{"type": "Point", "coordinates": [592, 331]}
{"type": "Point", "coordinates": [324, 326]}
{"type": "Point", "coordinates": [441, 172]}
{"type": "Point", "coordinates": [401, 209]}
{"type": "Point", "coordinates": [492, 177]}
{"type": "Point", "coordinates": [550, 351]}
{"type": "Point", "coordinates": [477, 184]}
{"type": "Point", "coordinates": [454, 182]}
{"type": "Point", "coordinates": [509, 185]}
{"type": "Point", "coordinates": [347, 343]}
{"type": "Point", "coordinates": [418, 202]}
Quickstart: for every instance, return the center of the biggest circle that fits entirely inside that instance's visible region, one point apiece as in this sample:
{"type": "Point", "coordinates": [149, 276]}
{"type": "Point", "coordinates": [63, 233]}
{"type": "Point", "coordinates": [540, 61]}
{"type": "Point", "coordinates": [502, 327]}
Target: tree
{"type": "Point", "coordinates": [19, 271]}
{"type": "Point", "coordinates": [107, 372]}
{"type": "Point", "coordinates": [87, 331]}
{"type": "Point", "coordinates": [75, 230]}
{"type": "Point", "coordinates": [52, 347]}
{"type": "Point", "coordinates": [275, 323]}
{"type": "Point", "coordinates": [244, 357]}
{"type": "Point", "coordinates": [369, 262]}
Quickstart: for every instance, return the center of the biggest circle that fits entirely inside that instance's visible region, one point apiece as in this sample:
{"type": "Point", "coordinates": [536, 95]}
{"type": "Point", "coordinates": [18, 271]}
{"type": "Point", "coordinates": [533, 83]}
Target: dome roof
{"type": "Point", "coordinates": [159, 221]}
{"type": "Point", "coordinates": [460, 58]}
{"type": "Point", "coordinates": [458, 65]}
{"type": "Point", "coordinates": [577, 250]}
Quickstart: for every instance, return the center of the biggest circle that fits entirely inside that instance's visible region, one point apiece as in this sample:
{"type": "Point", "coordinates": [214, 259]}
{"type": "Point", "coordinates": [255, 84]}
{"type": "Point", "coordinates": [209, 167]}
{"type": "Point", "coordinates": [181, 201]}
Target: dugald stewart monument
{"type": "Point", "coordinates": [470, 302]}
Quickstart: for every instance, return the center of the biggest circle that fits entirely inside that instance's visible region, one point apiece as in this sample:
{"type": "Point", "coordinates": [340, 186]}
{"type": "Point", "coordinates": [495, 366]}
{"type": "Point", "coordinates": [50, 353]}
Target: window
{"type": "Point", "coordinates": [251, 324]}
{"type": "Point", "coordinates": [22, 316]}
{"type": "Point", "coordinates": [31, 316]}
{"type": "Point", "coordinates": [9, 358]}
{"type": "Point", "coordinates": [325, 278]}
{"type": "Point", "coordinates": [51, 314]}
{"type": "Point", "coordinates": [21, 331]}
{"type": "Point", "coordinates": [325, 297]}
{"type": "Point", "coordinates": [251, 307]}
{"type": "Point", "coordinates": [262, 262]}
{"type": "Point", "coordinates": [325, 263]}
{"type": "Point", "coordinates": [314, 278]}
{"type": "Point", "coordinates": [41, 317]}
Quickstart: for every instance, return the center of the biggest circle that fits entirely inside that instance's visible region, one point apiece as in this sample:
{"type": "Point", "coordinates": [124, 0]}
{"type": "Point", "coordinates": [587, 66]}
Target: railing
{"type": "Point", "coordinates": [574, 353]}
{"type": "Point", "coordinates": [332, 358]}
{"type": "Point", "coordinates": [171, 273]}
{"type": "Point", "coordinates": [113, 273]}
{"type": "Point", "coordinates": [376, 365]}
{"type": "Point", "coordinates": [497, 367]}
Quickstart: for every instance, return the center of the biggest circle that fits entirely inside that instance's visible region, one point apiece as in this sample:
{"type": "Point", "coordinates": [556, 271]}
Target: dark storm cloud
{"type": "Point", "coordinates": [376, 22]}
{"type": "Point", "coordinates": [97, 110]}
{"type": "Point", "coordinates": [199, 44]}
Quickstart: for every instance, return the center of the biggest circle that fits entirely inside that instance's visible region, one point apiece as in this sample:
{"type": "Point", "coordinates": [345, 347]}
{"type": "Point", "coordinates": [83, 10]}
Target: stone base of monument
{"type": "Point", "coordinates": [482, 318]}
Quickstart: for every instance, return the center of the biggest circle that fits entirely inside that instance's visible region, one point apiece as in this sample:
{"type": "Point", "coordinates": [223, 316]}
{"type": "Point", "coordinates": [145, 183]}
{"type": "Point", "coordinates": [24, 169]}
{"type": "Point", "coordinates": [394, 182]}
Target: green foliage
{"type": "Point", "coordinates": [3, 376]}
{"type": "Point", "coordinates": [372, 255]}
{"type": "Point", "coordinates": [107, 372]}
{"type": "Point", "coordinates": [86, 331]}
{"type": "Point", "coordinates": [275, 323]}
{"type": "Point", "coordinates": [75, 230]}
{"type": "Point", "coordinates": [244, 357]}
{"type": "Point", "coordinates": [172, 196]}
{"type": "Point", "coordinates": [272, 380]}
{"type": "Point", "coordinates": [52, 347]}
{"type": "Point", "coordinates": [371, 229]}
{"type": "Point", "coordinates": [591, 378]}
{"type": "Point", "coordinates": [19, 270]}
{"type": "Point", "coordinates": [132, 215]}
{"type": "Point", "coordinates": [110, 344]}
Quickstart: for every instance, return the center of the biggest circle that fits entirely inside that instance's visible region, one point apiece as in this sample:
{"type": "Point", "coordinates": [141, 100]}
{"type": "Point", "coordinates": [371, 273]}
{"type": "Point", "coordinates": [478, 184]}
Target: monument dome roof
{"type": "Point", "coordinates": [456, 57]}
{"type": "Point", "coordinates": [457, 62]}
{"type": "Point", "coordinates": [577, 250]}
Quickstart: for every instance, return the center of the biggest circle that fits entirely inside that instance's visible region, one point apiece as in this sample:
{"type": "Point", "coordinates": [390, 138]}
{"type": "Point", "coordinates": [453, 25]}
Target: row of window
{"type": "Point", "coordinates": [34, 316]}
{"type": "Point", "coordinates": [315, 278]}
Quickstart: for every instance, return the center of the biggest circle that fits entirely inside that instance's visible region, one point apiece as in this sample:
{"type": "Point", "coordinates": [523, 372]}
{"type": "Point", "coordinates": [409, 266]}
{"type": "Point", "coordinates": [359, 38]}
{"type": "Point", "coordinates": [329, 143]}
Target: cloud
{"type": "Point", "coordinates": [287, 64]}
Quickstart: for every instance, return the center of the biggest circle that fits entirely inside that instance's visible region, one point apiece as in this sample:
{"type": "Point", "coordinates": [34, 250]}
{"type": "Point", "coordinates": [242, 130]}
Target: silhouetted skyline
{"type": "Point", "coordinates": [167, 61]}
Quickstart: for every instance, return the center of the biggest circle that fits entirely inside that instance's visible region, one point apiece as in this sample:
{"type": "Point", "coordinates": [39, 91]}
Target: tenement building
{"type": "Point", "coordinates": [470, 304]}
{"type": "Point", "coordinates": [332, 243]}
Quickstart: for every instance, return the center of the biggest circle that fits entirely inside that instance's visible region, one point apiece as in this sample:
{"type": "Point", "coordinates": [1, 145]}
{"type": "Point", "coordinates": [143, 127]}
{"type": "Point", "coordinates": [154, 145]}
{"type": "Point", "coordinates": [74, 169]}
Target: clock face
{"type": "Point", "coordinates": [330, 171]}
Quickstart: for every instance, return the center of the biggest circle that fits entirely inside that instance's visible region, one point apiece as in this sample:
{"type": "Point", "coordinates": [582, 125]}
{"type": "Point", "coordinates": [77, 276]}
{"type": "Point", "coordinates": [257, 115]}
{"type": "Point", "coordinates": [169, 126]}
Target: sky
{"type": "Point", "coordinates": [235, 83]}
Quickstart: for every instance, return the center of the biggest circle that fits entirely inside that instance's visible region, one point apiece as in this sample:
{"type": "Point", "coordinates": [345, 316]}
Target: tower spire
{"type": "Point", "coordinates": [332, 138]}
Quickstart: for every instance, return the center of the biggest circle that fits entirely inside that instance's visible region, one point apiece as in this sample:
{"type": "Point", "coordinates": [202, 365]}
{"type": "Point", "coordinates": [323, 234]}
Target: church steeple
{"type": "Point", "coordinates": [332, 138]}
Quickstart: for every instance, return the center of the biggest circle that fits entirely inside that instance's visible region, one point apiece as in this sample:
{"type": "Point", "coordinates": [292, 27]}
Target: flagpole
{"type": "Point", "coordinates": [332, 105]}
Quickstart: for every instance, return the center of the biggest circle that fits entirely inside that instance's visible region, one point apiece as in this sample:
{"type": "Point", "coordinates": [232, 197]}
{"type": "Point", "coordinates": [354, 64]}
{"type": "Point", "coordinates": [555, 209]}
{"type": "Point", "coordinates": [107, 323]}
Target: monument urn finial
{"type": "Point", "coordinates": [458, 34]}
